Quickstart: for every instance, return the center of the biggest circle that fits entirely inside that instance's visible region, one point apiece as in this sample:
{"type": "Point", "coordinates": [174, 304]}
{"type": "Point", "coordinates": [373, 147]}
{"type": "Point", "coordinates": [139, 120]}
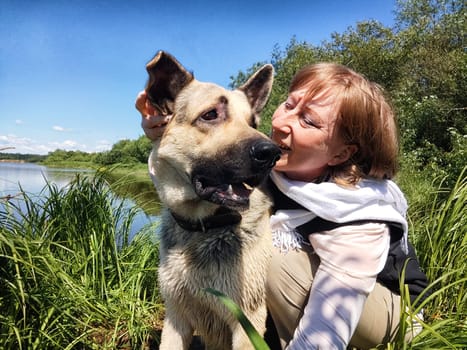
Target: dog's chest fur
{"type": "Point", "coordinates": [219, 258]}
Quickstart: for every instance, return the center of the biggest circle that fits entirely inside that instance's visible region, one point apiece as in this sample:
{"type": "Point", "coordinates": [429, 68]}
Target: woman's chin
{"type": "Point", "coordinates": [281, 165]}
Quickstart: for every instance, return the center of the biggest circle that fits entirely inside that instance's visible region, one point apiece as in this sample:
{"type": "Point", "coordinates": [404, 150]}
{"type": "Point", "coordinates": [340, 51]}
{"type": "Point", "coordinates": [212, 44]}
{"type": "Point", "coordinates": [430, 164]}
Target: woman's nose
{"type": "Point", "coordinates": [283, 122]}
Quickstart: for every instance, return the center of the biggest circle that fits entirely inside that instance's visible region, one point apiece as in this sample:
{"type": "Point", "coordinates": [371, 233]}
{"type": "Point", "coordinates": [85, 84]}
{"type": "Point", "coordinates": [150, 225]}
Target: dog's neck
{"type": "Point", "coordinates": [222, 217]}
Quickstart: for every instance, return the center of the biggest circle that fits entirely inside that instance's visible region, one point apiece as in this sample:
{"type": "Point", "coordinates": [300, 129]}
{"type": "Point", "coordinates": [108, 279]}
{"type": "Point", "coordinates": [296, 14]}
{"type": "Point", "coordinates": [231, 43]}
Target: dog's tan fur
{"type": "Point", "coordinates": [212, 130]}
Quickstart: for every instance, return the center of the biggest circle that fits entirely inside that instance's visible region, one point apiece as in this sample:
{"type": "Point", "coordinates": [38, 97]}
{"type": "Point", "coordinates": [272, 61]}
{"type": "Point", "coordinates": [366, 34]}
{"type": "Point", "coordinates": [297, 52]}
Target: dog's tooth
{"type": "Point", "coordinates": [230, 189]}
{"type": "Point", "coordinates": [248, 187]}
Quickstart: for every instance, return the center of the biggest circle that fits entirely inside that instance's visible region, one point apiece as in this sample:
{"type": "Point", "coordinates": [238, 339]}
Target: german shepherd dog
{"type": "Point", "coordinates": [208, 168]}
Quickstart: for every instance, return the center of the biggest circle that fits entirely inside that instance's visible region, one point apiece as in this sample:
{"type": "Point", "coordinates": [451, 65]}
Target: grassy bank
{"type": "Point", "coordinates": [71, 279]}
{"type": "Point", "coordinates": [129, 181]}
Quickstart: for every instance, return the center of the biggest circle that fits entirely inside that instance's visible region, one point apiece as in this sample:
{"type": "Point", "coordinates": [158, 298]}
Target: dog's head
{"type": "Point", "coordinates": [210, 151]}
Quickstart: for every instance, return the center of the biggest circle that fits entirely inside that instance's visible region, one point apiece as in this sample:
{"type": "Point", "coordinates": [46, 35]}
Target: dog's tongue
{"type": "Point", "coordinates": [240, 190]}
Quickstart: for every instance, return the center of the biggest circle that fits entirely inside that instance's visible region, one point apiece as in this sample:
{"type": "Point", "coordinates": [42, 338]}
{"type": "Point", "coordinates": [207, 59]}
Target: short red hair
{"type": "Point", "coordinates": [365, 119]}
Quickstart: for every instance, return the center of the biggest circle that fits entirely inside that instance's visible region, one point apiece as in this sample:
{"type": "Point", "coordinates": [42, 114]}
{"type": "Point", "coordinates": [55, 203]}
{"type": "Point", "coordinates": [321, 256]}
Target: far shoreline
{"type": "Point", "coordinates": [12, 161]}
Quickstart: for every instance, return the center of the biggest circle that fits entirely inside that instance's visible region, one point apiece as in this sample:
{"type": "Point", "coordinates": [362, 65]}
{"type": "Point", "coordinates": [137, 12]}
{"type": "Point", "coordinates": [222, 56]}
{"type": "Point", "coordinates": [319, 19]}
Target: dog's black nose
{"type": "Point", "coordinates": [264, 154]}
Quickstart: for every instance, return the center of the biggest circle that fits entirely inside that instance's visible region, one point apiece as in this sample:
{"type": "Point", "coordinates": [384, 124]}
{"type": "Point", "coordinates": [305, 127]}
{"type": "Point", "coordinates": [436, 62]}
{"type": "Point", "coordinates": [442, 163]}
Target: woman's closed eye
{"type": "Point", "coordinates": [307, 121]}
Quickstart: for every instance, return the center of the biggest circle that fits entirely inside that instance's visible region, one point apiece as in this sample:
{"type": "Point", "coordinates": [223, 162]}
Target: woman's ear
{"type": "Point", "coordinates": [344, 154]}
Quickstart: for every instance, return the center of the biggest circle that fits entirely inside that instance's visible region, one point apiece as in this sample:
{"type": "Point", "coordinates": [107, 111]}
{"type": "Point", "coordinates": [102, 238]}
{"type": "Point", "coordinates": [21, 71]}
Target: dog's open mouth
{"type": "Point", "coordinates": [235, 194]}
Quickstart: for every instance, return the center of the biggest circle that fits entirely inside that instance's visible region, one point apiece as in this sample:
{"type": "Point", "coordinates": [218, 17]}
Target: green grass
{"type": "Point", "coordinates": [440, 238]}
{"type": "Point", "coordinates": [133, 182]}
{"type": "Point", "coordinates": [438, 226]}
{"type": "Point", "coordinates": [71, 278]}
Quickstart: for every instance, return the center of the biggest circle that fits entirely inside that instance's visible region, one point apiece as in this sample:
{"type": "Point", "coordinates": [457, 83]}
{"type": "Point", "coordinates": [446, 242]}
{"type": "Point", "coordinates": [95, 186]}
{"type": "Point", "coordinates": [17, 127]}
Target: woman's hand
{"type": "Point", "coordinates": [152, 123]}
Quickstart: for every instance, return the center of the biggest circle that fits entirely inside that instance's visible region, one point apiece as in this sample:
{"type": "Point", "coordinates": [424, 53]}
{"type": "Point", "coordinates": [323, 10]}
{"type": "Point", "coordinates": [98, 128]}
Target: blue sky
{"type": "Point", "coordinates": [70, 70]}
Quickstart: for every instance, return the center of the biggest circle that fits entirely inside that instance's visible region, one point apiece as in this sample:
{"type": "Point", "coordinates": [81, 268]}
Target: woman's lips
{"type": "Point", "coordinates": [283, 146]}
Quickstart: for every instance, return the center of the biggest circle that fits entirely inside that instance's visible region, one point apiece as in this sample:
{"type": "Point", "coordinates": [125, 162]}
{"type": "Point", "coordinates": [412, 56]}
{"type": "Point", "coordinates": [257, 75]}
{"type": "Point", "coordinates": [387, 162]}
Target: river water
{"type": "Point", "coordinates": [32, 179]}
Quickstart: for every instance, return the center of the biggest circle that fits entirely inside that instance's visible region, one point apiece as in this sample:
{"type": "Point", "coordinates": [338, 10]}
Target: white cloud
{"type": "Point", "coordinates": [19, 144]}
{"type": "Point", "coordinates": [27, 145]}
{"type": "Point", "coordinates": [68, 145]}
{"type": "Point", "coordinates": [19, 122]}
{"type": "Point", "coordinates": [59, 128]}
{"type": "Point", "coordinates": [12, 138]}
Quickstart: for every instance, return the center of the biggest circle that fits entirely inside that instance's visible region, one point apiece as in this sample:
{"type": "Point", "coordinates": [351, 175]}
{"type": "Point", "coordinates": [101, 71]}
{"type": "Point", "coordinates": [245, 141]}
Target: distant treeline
{"type": "Point", "coordinates": [30, 158]}
{"type": "Point", "coordinates": [123, 152]}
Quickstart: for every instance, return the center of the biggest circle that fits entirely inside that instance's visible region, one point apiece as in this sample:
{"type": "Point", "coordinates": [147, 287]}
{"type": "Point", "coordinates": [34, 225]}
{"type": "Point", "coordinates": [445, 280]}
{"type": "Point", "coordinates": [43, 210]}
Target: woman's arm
{"type": "Point", "coordinates": [351, 257]}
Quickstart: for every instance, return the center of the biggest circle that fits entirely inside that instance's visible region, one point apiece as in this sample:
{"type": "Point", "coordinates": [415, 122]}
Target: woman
{"type": "Point", "coordinates": [339, 225]}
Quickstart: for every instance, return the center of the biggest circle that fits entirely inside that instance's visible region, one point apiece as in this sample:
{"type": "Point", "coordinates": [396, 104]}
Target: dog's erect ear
{"type": "Point", "coordinates": [166, 78]}
{"type": "Point", "coordinates": [257, 89]}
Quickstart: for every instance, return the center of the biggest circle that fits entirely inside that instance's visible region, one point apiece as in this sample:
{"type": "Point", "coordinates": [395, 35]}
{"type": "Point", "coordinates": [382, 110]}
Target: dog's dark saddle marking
{"type": "Point", "coordinates": [222, 217]}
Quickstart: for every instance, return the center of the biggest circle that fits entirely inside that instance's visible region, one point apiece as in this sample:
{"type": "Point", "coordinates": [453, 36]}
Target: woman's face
{"type": "Point", "coordinates": [307, 135]}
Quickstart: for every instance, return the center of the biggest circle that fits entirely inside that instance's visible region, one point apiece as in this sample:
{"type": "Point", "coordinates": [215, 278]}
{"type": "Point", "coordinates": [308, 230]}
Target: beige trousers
{"type": "Point", "coordinates": [289, 282]}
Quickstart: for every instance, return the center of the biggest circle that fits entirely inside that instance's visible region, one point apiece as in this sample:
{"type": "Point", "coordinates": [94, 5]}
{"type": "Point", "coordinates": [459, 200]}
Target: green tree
{"type": "Point", "coordinates": [431, 89]}
{"type": "Point", "coordinates": [369, 48]}
{"type": "Point", "coordinates": [126, 152]}
{"type": "Point", "coordinates": [143, 148]}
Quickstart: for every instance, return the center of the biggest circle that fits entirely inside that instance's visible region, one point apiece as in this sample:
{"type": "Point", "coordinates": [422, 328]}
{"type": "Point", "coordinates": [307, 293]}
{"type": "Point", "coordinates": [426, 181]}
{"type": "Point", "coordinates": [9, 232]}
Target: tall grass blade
{"type": "Point", "coordinates": [255, 338]}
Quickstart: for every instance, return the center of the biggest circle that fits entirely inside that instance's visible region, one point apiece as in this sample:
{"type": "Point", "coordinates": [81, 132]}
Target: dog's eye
{"type": "Point", "coordinates": [211, 115]}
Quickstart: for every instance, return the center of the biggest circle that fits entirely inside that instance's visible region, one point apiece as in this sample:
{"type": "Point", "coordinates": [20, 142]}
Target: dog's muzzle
{"type": "Point", "coordinates": [230, 179]}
